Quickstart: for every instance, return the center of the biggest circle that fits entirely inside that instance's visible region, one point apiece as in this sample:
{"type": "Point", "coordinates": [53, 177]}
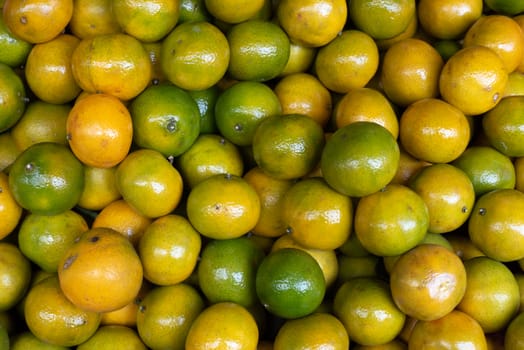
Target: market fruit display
{"type": "Point", "coordinates": [261, 174]}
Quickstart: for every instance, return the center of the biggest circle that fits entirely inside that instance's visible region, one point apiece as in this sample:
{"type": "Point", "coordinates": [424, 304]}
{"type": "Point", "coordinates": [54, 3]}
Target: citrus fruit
{"type": "Point", "coordinates": [447, 47]}
{"type": "Point", "coordinates": [366, 308]}
{"type": "Point", "coordinates": [12, 95]}
{"type": "Point", "coordinates": [27, 340]}
{"type": "Point", "coordinates": [15, 270]}
{"type": "Point", "coordinates": [99, 188]}
{"type": "Point", "coordinates": [223, 325]}
{"type": "Point", "coordinates": [10, 210]}
{"type": "Point", "coordinates": [8, 151]}
{"type": "Point", "coordinates": [463, 246]}
{"type": "Point", "coordinates": [193, 11]}
{"type": "Point", "coordinates": [360, 158]}
{"type": "Point", "coordinates": [434, 130]}
{"type": "Point", "coordinates": [233, 11]}
{"type": "Point", "coordinates": [407, 167]}
{"type": "Point", "coordinates": [259, 50]}
{"type": "Point", "coordinates": [126, 315]}
{"type": "Point", "coordinates": [312, 23]}
{"type": "Point", "coordinates": [166, 119]}
{"type": "Point", "coordinates": [149, 183]}
{"type": "Point", "coordinates": [47, 179]}
{"type": "Point", "coordinates": [300, 59]}
{"type": "Point", "coordinates": [44, 238]}
{"type": "Point", "coordinates": [428, 282]}
{"type": "Point", "coordinates": [348, 61]}
{"type": "Point", "coordinates": [515, 85]}
{"type": "Point", "coordinates": [513, 339]}
{"type": "Point", "coordinates": [206, 100]}
{"type": "Point", "coordinates": [113, 337]}
{"type": "Point", "coordinates": [116, 64]}
{"type": "Point", "coordinates": [100, 260]}
{"type": "Point", "coordinates": [93, 17]}
{"type": "Point", "coordinates": [169, 249]}
{"type": "Point", "coordinates": [195, 55]}
{"type": "Point", "coordinates": [241, 108]}
{"type": "Point", "coordinates": [290, 283]}
{"type": "Point", "coordinates": [154, 50]}
{"type": "Point", "coordinates": [411, 30]}
{"type": "Point", "coordinates": [227, 270]}
{"type": "Point", "coordinates": [14, 50]}
{"type": "Point", "coordinates": [507, 7]}
{"type": "Point", "coordinates": [162, 323]}
{"type": "Point", "coordinates": [223, 206]}
{"type": "Point", "coordinates": [494, 224]}
{"type": "Point", "coordinates": [317, 216]}
{"type": "Point", "coordinates": [315, 330]}
{"type": "Point", "coordinates": [288, 146]}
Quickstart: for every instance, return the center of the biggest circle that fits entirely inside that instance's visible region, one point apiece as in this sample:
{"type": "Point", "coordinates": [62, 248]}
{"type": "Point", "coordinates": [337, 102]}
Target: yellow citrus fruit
{"type": "Point", "coordinates": [382, 20]}
{"type": "Point", "coordinates": [169, 249]}
{"type": "Point", "coordinates": [15, 270]}
{"type": "Point", "coordinates": [407, 167]}
{"type": "Point", "coordinates": [519, 173]}
{"type": "Point", "coordinates": [434, 130]}
{"type": "Point", "coordinates": [10, 210]}
{"type": "Point", "coordinates": [233, 11]}
{"type": "Point", "coordinates": [312, 23]}
{"type": "Point", "coordinates": [45, 238]}
{"type": "Point", "coordinates": [13, 50]}
{"type": "Point", "coordinates": [27, 340]}
{"type": "Point", "coordinates": [93, 17]}
{"type": "Point", "coordinates": [113, 337]}
{"type": "Point", "coordinates": [463, 246]}
{"type": "Point", "coordinates": [316, 330]}
{"type": "Point", "coordinates": [347, 62]}
{"type": "Point", "coordinates": [149, 183]}
{"type": "Point", "coordinates": [300, 59]}
{"type": "Point", "coordinates": [259, 50]}
{"type": "Point", "coordinates": [366, 104]}
{"type": "Point", "coordinates": [513, 338]}
{"type": "Point", "coordinates": [8, 151]}
{"type": "Point", "coordinates": [316, 215]}
{"type": "Point", "coordinates": [99, 130]}
{"type": "Point", "coordinates": [223, 325]}
{"type": "Point", "coordinates": [101, 260]}
{"type": "Point", "coordinates": [47, 179]}
{"type": "Point", "coordinates": [52, 318]}
{"type": "Point", "coordinates": [515, 85]}
{"type": "Point", "coordinates": [411, 30]}
{"type": "Point", "coordinates": [223, 206]}
{"type": "Point", "coordinates": [148, 21]}
{"type": "Point", "coordinates": [126, 315]}
{"type": "Point", "coordinates": [115, 64]}
{"type": "Point", "coordinates": [154, 50]}
{"type": "Point", "coordinates": [99, 188]}
{"type": "Point", "coordinates": [473, 80]}
{"type": "Point", "coordinates": [30, 20]}
{"type": "Point", "coordinates": [494, 222]}
{"type": "Point", "coordinates": [360, 159]}
{"type": "Point", "coordinates": [195, 55]}
{"type": "Point", "coordinates": [410, 71]}
{"type": "Point", "coordinates": [448, 19]}
{"type": "Point", "coordinates": [428, 282]}
{"type": "Point", "coordinates": [288, 146]}
{"type": "Point", "coordinates": [13, 95]}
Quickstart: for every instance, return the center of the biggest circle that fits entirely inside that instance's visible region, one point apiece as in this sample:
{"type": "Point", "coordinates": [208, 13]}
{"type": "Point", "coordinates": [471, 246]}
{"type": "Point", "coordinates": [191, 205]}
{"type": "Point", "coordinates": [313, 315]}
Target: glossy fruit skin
{"type": "Point", "coordinates": [502, 124]}
{"type": "Point", "coordinates": [15, 273]}
{"type": "Point", "coordinates": [12, 95]}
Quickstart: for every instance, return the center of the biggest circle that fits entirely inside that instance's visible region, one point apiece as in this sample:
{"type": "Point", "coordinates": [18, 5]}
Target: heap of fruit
{"type": "Point", "coordinates": [262, 174]}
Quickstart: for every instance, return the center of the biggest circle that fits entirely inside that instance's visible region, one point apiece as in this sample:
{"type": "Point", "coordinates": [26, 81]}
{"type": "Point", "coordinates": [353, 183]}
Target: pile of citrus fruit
{"type": "Point", "coordinates": [262, 174]}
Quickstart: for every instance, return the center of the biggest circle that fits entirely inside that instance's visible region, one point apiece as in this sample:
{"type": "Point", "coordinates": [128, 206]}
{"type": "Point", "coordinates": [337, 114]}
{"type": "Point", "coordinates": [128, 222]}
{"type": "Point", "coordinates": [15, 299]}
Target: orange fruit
{"type": "Point", "coordinates": [348, 61]}
{"type": "Point", "coordinates": [312, 23]}
{"type": "Point", "coordinates": [195, 55]}
{"type": "Point", "coordinates": [13, 96]}
{"type": "Point", "coordinates": [48, 70]}
{"type": "Point", "coordinates": [290, 283]}
{"type": "Point", "coordinates": [492, 293]}
{"type": "Point", "coordinates": [99, 188]}
{"type": "Point", "coordinates": [513, 339]}
{"type": "Point", "coordinates": [166, 119]}
{"type": "Point", "coordinates": [288, 146]}
{"type": "Point", "coordinates": [407, 167]}
{"type": "Point", "coordinates": [382, 20]}
{"type": "Point", "coordinates": [126, 315]}
{"type": "Point", "coordinates": [300, 59]}
{"type": "Point", "coordinates": [52, 318]}
{"type": "Point", "coordinates": [210, 154]}
{"type": "Point", "coordinates": [113, 337]}
{"type": "Point", "coordinates": [93, 17]}
{"type": "Point", "coordinates": [99, 130]}
{"type": "Point", "coordinates": [494, 224]}
{"type": "Point", "coordinates": [29, 20]}
{"type": "Point", "coordinates": [115, 64]}
{"type": "Point", "coordinates": [366, 104]}
{"type": "Point", "coordinates": [149, 183]}
{"type": "Point", "coordinates": [45, 238]}
{"type": "Point", "coordinates": [367, 310]}
{"type": "Point", "coordinates": [448, 194]}
{"type": "Point", "coordinates": [463, 80]}
{"type": "Point", "coordinates": [233, 11]}
{"type": "Point", "coordinates": [227, 269]}
{"type": "Point", "coordinates": [454, 330]}
{"type": "Point", "coordinates": [259, 50]}
{"type": "Point", "coordinates": [162, 323]}
{"type": "Point", "coordinates": [148, 21]}
{"type": "Point", "coordinates": [10, 210]}
{"type": "Point", "coordinates": [448, 19]}
{"type": "Point", "coordinates": [13, 50]}
{"type": "Point", "coordinates": [15, 270]}
{"type": "Point", "coordinates": [223, 206]}
{"type": "Point", "coordinates": [411, 30]}
{"type": "Point", "coordinates": [241, 108]}
{"type": "Point", "coordinates": [193, 11]}
{"type": "Point", "coordinates": [317, 330]}
{"type": "Point", "coordinates": [27, 340]}
{"type": "Point", "coordinates": [223, 325]}
{"type": "Point", "coordinates": [410, 71]}
{"type": "Point", "coordinates": [428, 282]}
{"type": "Point", "coordinates": [434, 130]}
{"type": "Point", "coordinates": [47, 179]}
{"type": "Point", "coordinates": [206, 100]}
{"type": "Point", "coordinates": [316, 215]}
{"type": "Point", "coordinates": [360, 158]}
{"type": "Point", "coordinates": [169, 249]}
{"type": "Point", "coordinates": [8, 151]}
{"type": "Point", "coordinates": [100, 260]}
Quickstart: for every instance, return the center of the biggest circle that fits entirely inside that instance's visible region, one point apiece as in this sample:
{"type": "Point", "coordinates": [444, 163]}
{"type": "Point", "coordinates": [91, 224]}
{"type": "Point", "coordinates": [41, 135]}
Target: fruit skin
{"type": "Point", "coordinates": [12, 97]}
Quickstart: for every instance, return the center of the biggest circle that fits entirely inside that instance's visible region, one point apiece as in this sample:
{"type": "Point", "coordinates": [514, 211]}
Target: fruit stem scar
{"type": "Point", "coordinates": [94, 239]}
{"type": "Point", "coordinates": [482, 211]}
{"type": "Point", "coordinates": [23, 20]}
{"type": "Point", "coordinates": [69, 261]}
